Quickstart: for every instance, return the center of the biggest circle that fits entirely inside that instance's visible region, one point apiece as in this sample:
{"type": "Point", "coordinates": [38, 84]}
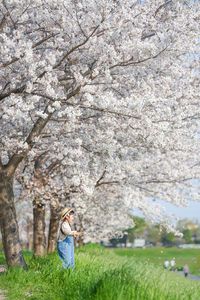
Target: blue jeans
{"type": "Point", "coordinates": [66, 252]}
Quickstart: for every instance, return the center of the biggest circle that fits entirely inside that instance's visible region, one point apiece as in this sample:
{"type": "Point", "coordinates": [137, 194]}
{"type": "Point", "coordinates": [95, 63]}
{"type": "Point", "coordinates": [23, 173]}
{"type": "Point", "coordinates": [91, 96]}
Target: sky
{"type": "Point", "coordinates": [191, 212]}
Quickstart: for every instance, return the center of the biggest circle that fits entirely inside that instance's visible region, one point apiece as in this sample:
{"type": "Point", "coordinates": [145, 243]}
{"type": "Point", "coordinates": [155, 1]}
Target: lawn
{"type": "Point", "coordinates": [100, 274]}
{"type": "Point", "coordinates": [157, 256]}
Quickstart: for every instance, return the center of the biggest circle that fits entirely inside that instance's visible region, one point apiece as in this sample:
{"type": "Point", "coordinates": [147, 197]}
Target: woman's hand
{"type": "Point", "coordinates": [76, 233]}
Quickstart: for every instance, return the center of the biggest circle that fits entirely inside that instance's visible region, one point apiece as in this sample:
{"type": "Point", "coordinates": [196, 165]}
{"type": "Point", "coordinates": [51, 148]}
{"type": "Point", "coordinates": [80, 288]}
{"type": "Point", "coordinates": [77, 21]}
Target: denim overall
{"type": "Point", "coordinates": [66, 252]}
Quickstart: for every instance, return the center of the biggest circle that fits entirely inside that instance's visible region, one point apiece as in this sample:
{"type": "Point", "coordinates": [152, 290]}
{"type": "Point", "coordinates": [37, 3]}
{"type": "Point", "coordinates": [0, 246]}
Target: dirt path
{"type": "Point", "coordinates": [190, 276]}
{"type": "Point", "coordinates": [2, 296]}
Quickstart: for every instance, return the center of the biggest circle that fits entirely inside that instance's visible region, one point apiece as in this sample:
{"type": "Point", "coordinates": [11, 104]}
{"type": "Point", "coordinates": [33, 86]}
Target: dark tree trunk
{"type": "Point", "coordinates": [80, 241]}
{"type": "Point", "coordinates": [8, 223]}
{"type": "Point", "coordinates": [39, 240]}
{"type": "Point", "coordinates": [79, 227]}
{"type": "Point", "coordinates": [53, 227]}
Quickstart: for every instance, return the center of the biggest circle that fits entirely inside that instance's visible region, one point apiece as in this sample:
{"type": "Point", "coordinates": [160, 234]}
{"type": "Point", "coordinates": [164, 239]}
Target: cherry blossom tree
{"type": "Point", "coordinates": [129, 66]}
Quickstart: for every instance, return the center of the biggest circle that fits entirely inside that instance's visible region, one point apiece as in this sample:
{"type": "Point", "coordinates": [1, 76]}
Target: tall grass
{"type": "Point", "coordinates": [99, 275]}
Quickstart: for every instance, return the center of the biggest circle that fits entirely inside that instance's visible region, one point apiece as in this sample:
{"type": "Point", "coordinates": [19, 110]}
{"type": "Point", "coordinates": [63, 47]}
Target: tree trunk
{"type": "Point", "coordinates": [53, 227]}
{"type": "Point", "coordinates": [80, 240]}
{"type": "Point", "coordinates": [8, 223]}
{"type": "Point", "coordinates": [29, 232]}
{"type": "Point", "coordinates": [39, 240]}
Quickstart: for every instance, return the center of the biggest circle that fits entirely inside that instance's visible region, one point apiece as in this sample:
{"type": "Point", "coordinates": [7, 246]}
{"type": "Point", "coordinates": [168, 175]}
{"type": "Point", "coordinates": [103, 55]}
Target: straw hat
{"type": "Point", "coordinates": [65, 212]}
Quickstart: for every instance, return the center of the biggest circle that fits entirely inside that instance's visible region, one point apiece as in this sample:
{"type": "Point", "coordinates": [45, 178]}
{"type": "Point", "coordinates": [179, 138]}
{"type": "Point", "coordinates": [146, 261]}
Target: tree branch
{"type": "Point", "coordinates": [3, 22]}
{"type": "Point", "coordinates": [107, 183]}
{"type": "Point", "coordinates": [101, 177]}
{"type": "Point", "coordinates": [175, 180]}
{"type": "Point", "coordinates": [131, 62]}
{"type": "Point", "coordinates": [4, 4]}
{"type": "Point", "coordinates": [103, 110]}
{"type": "Point", "coordinates": [1, 164]}
{"type": "Point", "coordinates": [35, 132]}
{"type": "Point", "coordinates": [162, 6]}
{"type": "Point", "coordinates": [53, 166]}
{"type": "Point", "coordinates": [34, 46]}
{"type": "Point", "coordinates": [13, 91]}
{"type": "Point", "coordinates": [76, 47]}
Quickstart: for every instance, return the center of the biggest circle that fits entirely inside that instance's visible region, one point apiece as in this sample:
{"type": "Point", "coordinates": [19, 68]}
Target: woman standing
{"type": "Point", "coordinates": [186, 270]}
{"type": "Point", "coordinates": [65, 240]}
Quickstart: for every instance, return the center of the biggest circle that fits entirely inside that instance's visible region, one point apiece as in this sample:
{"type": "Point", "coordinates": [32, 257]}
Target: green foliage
{"type": "Point", "coordinates": [168, 238]}
{"type": "Point", "coordinates": [153, 234]}
{"type": "Point", "coordinates": [190, 230]}
{"type": "Point", "coordinates": [187, 235]}
{"type": "Point", "coordinates": [138, 229]}
{"type": "Point", "coordinates": [99, 275]}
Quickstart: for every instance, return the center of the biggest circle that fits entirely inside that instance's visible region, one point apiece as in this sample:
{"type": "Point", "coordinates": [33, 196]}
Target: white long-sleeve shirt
{"type": "Point", "coordinates": [64, 229]}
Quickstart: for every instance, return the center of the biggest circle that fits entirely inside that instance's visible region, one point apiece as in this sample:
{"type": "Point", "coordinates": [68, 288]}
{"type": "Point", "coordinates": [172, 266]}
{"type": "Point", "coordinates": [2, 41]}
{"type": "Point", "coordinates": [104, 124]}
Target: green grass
{"type": "Point", "coordinates": [157, 256]}
{"type": "Point", "coordinates": [99, 275]}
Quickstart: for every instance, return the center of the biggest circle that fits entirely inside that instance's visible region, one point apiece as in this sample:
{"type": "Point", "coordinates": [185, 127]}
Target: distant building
{"type": "Point", "coordinates": [139, 243]}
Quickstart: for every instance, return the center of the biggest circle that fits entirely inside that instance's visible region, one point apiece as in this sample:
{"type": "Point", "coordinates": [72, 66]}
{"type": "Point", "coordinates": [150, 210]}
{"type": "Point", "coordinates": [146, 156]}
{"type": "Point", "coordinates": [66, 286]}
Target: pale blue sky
{"type": "Point", "coordinates": [191, 212]}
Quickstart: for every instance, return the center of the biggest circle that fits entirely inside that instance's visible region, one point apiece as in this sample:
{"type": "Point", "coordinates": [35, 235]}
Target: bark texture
{"type": "Point", "coordinates": [53, 228]}
{"type": "Point", "coordinates": [29, 232]}
{"type": "Point", "coordinates": [39, 239]}
{"type": "Point", "coordinates": [8, 223]}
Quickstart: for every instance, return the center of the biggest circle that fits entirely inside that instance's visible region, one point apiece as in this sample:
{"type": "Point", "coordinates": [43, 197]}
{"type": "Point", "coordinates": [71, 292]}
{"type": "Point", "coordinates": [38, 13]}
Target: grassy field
{"type": "Point", "coordinates": [157, 256]}
{"type": "Point", "coordinates": [99, 275]}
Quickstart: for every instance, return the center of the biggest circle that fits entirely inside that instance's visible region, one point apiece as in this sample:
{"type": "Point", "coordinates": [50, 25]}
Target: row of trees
{"type": "Point", "coordinates": [98, 110]}
{"type": "Point", "coordinates": [155, 235]}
